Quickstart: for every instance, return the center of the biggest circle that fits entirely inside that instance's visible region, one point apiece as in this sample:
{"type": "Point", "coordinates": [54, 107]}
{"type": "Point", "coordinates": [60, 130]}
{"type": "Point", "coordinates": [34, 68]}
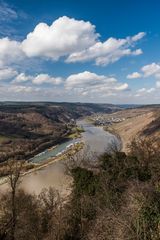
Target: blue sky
{"type": "Point", "coordinates": [88, 51]}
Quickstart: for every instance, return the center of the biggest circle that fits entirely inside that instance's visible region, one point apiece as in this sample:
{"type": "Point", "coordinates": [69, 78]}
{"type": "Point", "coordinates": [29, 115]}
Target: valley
{"type": "Point", "coordinates": [44, 135]}
{"type": "Point", "coordinates": [27, 129]}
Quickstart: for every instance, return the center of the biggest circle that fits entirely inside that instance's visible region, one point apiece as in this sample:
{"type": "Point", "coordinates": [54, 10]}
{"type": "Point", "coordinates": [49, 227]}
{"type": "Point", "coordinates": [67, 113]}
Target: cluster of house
{"type": "Point", "coordinates": [103, 121]}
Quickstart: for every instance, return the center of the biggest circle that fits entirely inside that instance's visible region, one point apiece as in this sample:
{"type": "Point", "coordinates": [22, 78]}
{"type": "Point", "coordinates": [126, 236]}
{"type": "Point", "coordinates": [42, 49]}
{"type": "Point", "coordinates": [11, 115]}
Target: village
{"type": "Point", "coordinates": [103, 120]}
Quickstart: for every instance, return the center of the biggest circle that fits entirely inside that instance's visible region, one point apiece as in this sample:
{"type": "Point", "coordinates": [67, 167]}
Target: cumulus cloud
{"type": "Point", "coordinates": [81, 83]}
{"type": "Point", "coordinates": [145, 92]}
{"type": "Point", "coordinates": [148, 70]}
{"type": "Point", "coordinates": [152, 69]}
{"type": "Point", "coordinates": [45, 78]}
{"type": "Point", "coordinates": [19, 92]}
{"type": "Point", "coordinates": [74, 40]}
{"type": "Point", "coordinates": [13, 76]}
{"type": "Point", "coordinates": [107, 52]}
{"type": "Point", "coordinates": [141, 90]}
{"type": "Point", "coordinates": [39, 79]}
{"type": "Point", "coordinates": [7, 73]}
{"type": "Point", "coordinates": [85, 79]}
{"type": "Point", "coordinates": [10, 52]}
{"type": "Point", "coordinates": [84, 86]}
{"type": "Point", "coordinates": [134, 75]}
{"type": "Point", "coordinates": [22, 89]}
{"type": "Point", "coordinates": [87, 83]}
{"type": "Point", "coordinates": [22, 77]}
{"type": "Point", "coordinates": [65, 36]}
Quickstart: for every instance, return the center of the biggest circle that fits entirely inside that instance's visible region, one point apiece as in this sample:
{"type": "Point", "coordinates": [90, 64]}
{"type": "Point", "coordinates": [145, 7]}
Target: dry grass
{"type": "Point", "coordinates": [132, 127]}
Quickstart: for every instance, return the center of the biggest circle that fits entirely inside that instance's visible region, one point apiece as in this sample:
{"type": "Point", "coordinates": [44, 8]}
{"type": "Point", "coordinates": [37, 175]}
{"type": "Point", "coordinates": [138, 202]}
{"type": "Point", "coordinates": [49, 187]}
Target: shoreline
{"type": "Point", "coordinates": [51, 160]}
{"type": "Point", "coordinates": [112, 131]}
{"type": "Point", "coordinates": [127, 130]}
{"type": "Point", "coordinates": [48, 162]}
{"type": "Point", "coordinates": [35, 166]}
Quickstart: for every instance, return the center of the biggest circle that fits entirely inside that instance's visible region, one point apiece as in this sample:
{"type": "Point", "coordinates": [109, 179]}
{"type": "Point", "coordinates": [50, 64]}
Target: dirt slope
{"type": "Point", "coordinates": [132, 127]}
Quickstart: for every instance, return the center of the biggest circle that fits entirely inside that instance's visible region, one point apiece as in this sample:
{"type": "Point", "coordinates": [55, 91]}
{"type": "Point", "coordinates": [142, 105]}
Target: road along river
{"type": "Point", "coordinates": [54, 174]}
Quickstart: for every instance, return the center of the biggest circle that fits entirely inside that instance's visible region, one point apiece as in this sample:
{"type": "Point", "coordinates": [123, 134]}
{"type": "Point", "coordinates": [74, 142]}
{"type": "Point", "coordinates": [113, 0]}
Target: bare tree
{"type": "Point", "coordinates": [84, 158]}
{"type": "Point", "coordinates": [147, 150]}
{"type": "Point", "coordinates": [14, 168]}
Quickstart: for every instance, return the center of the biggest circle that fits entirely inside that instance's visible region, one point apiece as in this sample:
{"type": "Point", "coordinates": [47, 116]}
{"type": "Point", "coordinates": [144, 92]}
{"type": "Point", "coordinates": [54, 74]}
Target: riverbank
{"type": "Point", "coordinates": [75, 132]}
{"type": "Point", "coordinates": [130, 128]}
{"type": "Point", "coordinates": [52, 172]}
{"type": "Point", "coordinates": [34, 167]}
{"type": "Point", "coordinates": [70, 145]}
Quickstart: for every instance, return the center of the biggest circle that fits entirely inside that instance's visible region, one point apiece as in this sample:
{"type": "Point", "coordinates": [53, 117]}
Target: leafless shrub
{"type": "Point", "coordinates": [83, 158]}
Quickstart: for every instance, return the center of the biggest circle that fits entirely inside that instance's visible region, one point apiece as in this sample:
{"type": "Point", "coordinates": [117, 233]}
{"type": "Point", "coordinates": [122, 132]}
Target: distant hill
{"type": "Point", "coordinates": [77, 108]}
{"type": "Point", "coordinates": [126, 106]}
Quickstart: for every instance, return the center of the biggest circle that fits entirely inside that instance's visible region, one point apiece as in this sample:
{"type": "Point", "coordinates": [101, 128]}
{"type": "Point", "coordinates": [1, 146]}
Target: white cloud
{"type": "Point", "coordinates": [138, 36]}
{"type": "Point", "coordinates": [22, 89]}
{"type": "Point", "coordinates": [7, 73]}
{"type": "Point", "coordinates": [80, 82]}
{"type": "Point", "coordinates": [38, 79]}
{"type": "Point", "coordinates": [134, 75]}
{"type": "Point", "coordinates": [45, 78]}
{"type": "Point", "coordinates": [75, 40]}
{"type": "Point", "coordinates": [86, 79]}
{"type": "Point", "coordinates": [88, 83]}
{"type": "Point", "coordinates": [78, 41]}
{"type": "Point", "coordinates": [141, 90]}
{"type": "Point", "coordinates": [144, 91]}
{"type": "Point", "coordinates": [151, 69]}
{"type": "Point", "coordinates": [10, 52]}
{"type": "Point", "coordinates": [158, 84]}
{"type": "Point", "coordinates": [121, 87]}
{"type": "Point", "coordinates": [22, 77]}
{"type": "Point", "coordinates": [14, 92]}
{"type": "Point", "coordinates": [65, 36]}
{"type": "Point", "coordinates": [85, 86]}
{"type": "Point", "coordinates": [150, 90]}
{"type": "Point", "coordinates": [107, 52]}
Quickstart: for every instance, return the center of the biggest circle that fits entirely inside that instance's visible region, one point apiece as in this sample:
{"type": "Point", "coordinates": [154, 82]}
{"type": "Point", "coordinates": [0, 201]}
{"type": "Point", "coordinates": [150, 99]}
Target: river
{"type": "Point", "coordinates": [54, 174]}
